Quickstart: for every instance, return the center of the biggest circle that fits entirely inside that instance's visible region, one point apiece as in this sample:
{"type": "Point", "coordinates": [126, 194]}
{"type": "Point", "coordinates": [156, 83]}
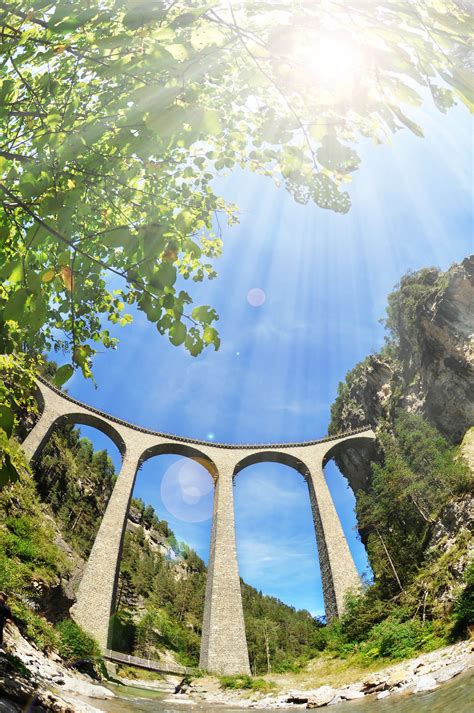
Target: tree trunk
{"type": "Point", "coordinates": [267, 646]}
{"type": "Point", "coordinates": [390, 560]}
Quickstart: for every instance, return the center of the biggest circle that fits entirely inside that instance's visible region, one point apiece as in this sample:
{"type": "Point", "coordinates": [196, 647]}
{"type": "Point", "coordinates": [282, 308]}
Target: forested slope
{"type": "Point", "coordinates": [162, 582]}
{"type": "Point", "coordinates": [414, 493]}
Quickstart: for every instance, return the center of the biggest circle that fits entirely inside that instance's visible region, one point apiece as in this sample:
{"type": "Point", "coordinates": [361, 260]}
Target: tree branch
{"type": "Point", "coordinates": [16, 156]}
{"type": "Point", "coordinates": [55, 233]}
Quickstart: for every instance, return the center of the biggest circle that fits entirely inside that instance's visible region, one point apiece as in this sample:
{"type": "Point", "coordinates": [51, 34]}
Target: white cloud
{"type": "Point", "coordinates": [271, 566]}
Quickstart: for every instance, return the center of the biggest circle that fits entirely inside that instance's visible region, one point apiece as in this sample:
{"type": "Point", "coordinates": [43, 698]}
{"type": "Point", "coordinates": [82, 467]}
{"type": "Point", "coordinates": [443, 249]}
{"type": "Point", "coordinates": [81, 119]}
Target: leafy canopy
{"type": "Point", "coordinates": [116, 116]}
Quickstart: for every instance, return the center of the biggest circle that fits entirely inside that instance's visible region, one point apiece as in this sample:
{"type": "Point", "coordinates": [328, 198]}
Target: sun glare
{"type": "Point", "coordinates": [334, 62]}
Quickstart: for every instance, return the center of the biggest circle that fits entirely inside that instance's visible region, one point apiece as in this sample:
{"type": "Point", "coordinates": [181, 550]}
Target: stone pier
{"type": "Point", "coordinates": [223, 645]}
{"type": "Point", "coordinates": [98, 586]}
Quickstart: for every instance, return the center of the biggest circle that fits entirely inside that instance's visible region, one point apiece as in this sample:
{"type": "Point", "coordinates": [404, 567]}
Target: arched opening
{"type": "Point", "coordinates": [162, 574]}
{"type": "Point", "coordinates": [277, 554]}
{"type": "Point", "coordinates": [75, 473]}
{"type": "Point", "coordinates": [350, 458]}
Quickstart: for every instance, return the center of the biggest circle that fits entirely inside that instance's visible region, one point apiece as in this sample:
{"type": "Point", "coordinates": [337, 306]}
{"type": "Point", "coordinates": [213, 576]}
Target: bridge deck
{"type": "Point", "coordinates": [197, 441]}
{"type": "Point", "coordinates": [158, 666]}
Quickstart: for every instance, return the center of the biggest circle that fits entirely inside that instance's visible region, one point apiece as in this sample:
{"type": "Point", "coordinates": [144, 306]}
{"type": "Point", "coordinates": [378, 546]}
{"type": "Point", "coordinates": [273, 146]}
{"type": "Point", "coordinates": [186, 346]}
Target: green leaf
{"type": "Point", "coordinates": [63, 374]}
{"type": "Point", "coordinates": [408, 122]}
{"type": "Point", "coordinates": [165, 276]}
{"type": "Point", "coordinates": [184, 221]}
{"type": "Point", "coordinates": [211, 336]}
{"type": "Point", "coordinates": [206, 35]}
{"type": "Point", "coordinates": [211, 122]}
{"type": "Point", "coordinates": [82, 356]}
{"type": "Point", "coordinates": [48, 275]}
{"type": "Point", "coordinates": [333, 155]}
{"type": "Point", "coordinates": [193, 344]}
{"type": "Point", "coordinates": [6, 419]}
{"type": "Point", "coordinates": [177, 333]}
{"type": "Point", "coordinates": [15, 308]}
{"type": "Point", "coordinates": [118, 237]}
{"type": "Point", "coordinates": [16, 274]}
{"type": "Point", "coordinates": [169, 122]}
{"type": "Point", "coordinates": [8, 473]}
{"type": "Point", "coordinates": [204, 314]}
{"type": "Point", "coordinates": [153, 241]}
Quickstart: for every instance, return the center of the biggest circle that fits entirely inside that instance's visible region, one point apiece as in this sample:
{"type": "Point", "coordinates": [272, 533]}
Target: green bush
{"type": "Point", "coordinates": [395, 639]}
{"type": "Point", "coordinates": [464, 606]}
{"type": "Point", "coordinates": [122, 631]}
{"type": "Point", "coordinates": [361, 613]}
{"type": "Point", "coordinates": [247, 683]}
{"type": "Point", "coordinates": [74, 643]}
{"type": "Point", "coordinates": [281, 664]}
{"type": "Point", "coordinates": [34, 627]}
{"type": "Point", "coordinates": [30, 540]}
{"type": "Point", "coordinates": [13, 575]}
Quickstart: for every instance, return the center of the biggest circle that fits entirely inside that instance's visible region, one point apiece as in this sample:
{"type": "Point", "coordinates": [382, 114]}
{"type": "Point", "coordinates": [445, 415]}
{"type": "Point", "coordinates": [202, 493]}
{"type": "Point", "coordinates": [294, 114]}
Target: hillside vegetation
{"type": "Point", "coordinates": [415, 492]}
{"type": "Point", "coordinates": [160, 596]}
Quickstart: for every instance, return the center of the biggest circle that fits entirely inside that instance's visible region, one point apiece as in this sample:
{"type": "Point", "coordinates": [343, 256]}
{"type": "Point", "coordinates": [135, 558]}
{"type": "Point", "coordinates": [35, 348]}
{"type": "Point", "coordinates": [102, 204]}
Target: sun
{"type": "Point", "coordinates": [327, 59]}
{"type": "Point", "coordinates": [335, 61]}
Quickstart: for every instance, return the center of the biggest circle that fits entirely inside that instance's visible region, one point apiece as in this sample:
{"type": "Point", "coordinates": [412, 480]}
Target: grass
{"type": "Point", "coordinates": [35, 628]}
{"type": "Point", "coordinates": [141, 674]}
{"type": "Point", "coordinates": [75, 643]}
{"type": "Point", "coordinates": [246, 683]}
{"type": "Point", "coordinates": [327, 670]}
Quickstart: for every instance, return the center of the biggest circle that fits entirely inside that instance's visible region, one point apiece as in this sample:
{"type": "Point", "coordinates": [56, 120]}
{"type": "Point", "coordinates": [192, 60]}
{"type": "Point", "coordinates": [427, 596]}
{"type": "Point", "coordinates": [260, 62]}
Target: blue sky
{"type": "Point", "coordinates": [326, 278]}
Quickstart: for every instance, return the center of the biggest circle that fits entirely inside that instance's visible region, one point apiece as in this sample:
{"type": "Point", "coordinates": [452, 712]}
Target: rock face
{"type": "Point", "coordinates": [446, 333]}
{"type": "Point", "coordinates": [431, 371]}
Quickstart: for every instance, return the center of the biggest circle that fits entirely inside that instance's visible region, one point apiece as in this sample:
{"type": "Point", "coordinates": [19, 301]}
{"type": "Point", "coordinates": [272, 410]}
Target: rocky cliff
{"type": "Point", "coordinates": [426, 367]}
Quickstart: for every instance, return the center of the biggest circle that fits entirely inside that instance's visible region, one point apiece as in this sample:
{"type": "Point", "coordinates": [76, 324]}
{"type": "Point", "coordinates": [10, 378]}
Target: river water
{"type": "Point", "coordinates": [457, 696]}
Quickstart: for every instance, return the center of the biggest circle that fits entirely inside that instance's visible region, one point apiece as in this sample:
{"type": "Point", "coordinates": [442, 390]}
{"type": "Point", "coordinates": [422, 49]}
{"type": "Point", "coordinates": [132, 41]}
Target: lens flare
{"type": "Point", "coordinates": [256, 297]}
{"type": "Point", "coordinates": [187, 491]}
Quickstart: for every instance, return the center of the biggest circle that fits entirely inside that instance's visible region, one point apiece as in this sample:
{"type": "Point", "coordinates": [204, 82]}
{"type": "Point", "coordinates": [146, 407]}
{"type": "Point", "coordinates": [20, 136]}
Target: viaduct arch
{"type": "Point", "coordinates": [223, 645]}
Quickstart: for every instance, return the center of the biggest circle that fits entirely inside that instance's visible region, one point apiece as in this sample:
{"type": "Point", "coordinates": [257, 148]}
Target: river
{"type": "Point", "coordinates": [457, 696]}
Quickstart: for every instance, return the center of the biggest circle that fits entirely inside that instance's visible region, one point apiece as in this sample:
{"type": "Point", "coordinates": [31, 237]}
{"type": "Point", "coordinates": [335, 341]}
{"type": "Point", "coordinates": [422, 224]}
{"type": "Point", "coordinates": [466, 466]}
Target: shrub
{"type": "Point", "coordinates": [361, 613]}
{"type": "Point", "coordinates": [464, 606]}
{"type": "Point", "coordinates": [138, 674]}
{"type": "Point", "coordinates": [244, 682]}
{"type": "Point", "coordinates": [74, 643]}
{"type": "Point", "coordinates": [122, 632]}
{"type": "Point", "coordinates": [397, 639]}
{"type": "Point", "coordinates": [34, 627]}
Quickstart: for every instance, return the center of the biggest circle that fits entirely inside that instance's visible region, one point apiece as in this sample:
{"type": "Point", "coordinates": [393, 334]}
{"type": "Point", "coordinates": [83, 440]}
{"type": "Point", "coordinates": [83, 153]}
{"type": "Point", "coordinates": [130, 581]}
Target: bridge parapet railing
{"type": "Point", "coordinates": [197, 441]}
{"type": "Point", "coordinates": [150, 664]}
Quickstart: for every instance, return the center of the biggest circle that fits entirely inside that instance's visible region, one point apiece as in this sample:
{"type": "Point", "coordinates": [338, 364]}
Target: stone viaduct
{"type": "Point", "coordinates": [224, 646]}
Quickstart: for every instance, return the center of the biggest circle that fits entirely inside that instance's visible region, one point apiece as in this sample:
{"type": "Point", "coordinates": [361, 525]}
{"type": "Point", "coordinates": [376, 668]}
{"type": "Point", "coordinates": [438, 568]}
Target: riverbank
{"type": "Point", "coordinates": [27, 676]}
{"type": "Point", "coordinates": [30, 678]}
{"type": "Point", "coordinates": [424, 673]}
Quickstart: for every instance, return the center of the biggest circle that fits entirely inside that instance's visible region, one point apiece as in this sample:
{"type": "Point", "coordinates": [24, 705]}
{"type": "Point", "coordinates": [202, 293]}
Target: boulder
{"type": "Point", "coordinates": [448, 672]}
{"type": "Point", "coordinates": [351, 694]}
{"type": "Point", "coordinates": [397, 678]}
{"type": "Point", "coordinates": [425, 683]}
{"type": "Point", "coordinates": [297, 697]}
{"type": "Point", "coordinates": [375, 679]}
{"type": "Point", "coordinates": [375, 682]}
{"type": "Point", "coordinates": [321, 697]}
